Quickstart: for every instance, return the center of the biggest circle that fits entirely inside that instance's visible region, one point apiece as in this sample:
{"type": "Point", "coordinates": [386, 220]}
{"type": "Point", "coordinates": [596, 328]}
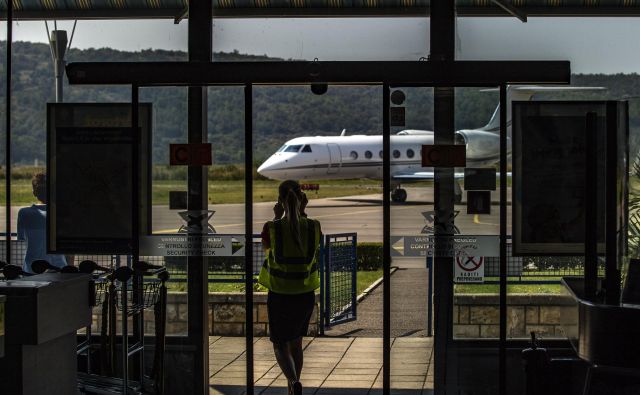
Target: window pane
{"type": "Point", "coordinates": [293, 148]}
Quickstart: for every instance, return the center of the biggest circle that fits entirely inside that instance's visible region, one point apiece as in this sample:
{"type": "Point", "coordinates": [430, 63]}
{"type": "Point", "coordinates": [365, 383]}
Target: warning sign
{"type": "Point", "coordinates": [469, 269]}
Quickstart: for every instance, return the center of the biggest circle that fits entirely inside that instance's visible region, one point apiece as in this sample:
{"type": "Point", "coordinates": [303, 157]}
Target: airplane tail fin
{"type": "Point", "coordinates": [526, 93]}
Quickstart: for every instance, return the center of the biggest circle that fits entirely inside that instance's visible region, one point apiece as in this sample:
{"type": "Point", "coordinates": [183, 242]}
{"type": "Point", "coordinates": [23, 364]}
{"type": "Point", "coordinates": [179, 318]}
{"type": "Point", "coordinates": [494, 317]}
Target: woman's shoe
{"type": "Point", "coordinates": [297, 388]}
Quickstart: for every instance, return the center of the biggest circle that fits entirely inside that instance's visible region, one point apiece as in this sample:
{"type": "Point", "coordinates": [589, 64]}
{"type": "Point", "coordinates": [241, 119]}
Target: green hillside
{"type": "Point", "coordinates": [280, 113]}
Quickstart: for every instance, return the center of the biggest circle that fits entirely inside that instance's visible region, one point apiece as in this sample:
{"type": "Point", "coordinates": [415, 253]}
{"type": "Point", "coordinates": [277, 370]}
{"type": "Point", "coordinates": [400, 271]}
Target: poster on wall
{"type": "Point", "coordinates": [549, 176]}
{"type": "Point", "coordinates": [89, 168]}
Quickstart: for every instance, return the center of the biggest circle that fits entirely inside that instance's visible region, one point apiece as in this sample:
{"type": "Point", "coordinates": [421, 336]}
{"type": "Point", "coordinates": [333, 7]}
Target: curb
{"type": "Point", "coordinates": [373, 286]}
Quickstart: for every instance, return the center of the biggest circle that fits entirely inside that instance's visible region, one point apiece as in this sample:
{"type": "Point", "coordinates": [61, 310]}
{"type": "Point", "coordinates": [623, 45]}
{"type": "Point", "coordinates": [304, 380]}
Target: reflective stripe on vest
{"type": "Point", "coordinates": [289, 275]}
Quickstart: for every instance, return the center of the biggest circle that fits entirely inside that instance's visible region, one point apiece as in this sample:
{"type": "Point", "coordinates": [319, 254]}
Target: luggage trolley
{"type": "Point", "coordinates": [128, 292]}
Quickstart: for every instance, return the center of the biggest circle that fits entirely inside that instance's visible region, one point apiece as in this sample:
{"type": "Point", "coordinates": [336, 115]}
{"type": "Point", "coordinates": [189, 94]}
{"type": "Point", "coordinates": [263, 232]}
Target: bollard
{"type": "Point", "coordinates": [536, 366]}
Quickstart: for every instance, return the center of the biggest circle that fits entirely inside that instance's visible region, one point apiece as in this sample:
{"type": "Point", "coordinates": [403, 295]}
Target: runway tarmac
{"type": "Point", "coordinates": [361, 214]}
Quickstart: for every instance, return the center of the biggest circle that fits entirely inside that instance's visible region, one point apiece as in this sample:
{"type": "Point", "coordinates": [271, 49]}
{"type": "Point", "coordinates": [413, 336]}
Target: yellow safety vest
{"type": "Point", "coordinates": [286, 269]}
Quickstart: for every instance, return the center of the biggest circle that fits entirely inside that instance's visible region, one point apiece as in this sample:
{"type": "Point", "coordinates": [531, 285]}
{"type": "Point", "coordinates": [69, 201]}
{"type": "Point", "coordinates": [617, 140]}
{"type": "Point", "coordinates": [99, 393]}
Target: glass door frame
{"type": "Point", "coordinates": [386, 74]}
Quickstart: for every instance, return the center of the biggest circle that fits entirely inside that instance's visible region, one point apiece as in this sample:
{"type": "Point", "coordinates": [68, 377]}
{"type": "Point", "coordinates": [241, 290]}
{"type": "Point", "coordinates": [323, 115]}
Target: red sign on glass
{"type": "Point", "coordinates": [444, 156]}
{"type": "Point", "coordinates": [190, 154]}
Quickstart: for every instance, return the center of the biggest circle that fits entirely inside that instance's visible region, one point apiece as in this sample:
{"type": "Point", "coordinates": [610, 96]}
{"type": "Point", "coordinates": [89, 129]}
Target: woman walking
{"type": "Point", "coordinates": [290, 272]}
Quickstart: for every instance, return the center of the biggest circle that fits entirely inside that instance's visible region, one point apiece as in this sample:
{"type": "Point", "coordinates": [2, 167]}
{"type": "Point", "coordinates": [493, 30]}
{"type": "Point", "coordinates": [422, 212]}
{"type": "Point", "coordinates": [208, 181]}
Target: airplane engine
{"type": "Point", "coordinates": [481, 146]}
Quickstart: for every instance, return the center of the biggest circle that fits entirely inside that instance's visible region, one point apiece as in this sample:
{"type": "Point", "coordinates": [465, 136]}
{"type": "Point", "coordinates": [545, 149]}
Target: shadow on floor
{"type": "Point", "coordinates": [260, 390]}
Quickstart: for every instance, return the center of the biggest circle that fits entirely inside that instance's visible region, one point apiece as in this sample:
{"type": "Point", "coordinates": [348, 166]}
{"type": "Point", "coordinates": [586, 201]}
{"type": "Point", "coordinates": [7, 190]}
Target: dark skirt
{"type": "Point", "coordinates": [289, 315]}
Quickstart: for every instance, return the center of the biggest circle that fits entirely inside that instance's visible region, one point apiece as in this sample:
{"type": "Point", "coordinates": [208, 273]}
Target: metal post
{"type": "Point", "coordinates": [612, 271]}
{"type": "Point", "coordinates": [430, 297]}
{"type": "Point", "coordinates": [386, 243]}
{"type": "Point", "coordinates": [502, 374]}
{"type": "Point", "coordinates": [327, 284]}
{"type": "Point", "coordinates": [322, 288]}
{"type": "Point", "coordinates": [7, 148]}
{"type": "Point", "coordinates": [198, 285]}
{"type": "Point", "coordinates": [136, 283]}
{"type": "Point", "coordinates": [135, 245]}
{"type": "Point", "coordinates": [442, 37]}
{"type": "Point", "coordinates": [248, 231]}
{"type": "Point", "coordinates": [591, 225]}
{"type": "Point", "coordinates": [58, 42]}
{"type": "Point", "coordinates": [354, 276]}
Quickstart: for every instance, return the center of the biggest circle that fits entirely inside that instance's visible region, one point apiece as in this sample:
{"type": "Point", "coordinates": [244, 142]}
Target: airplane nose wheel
{"type": "Point", "coordinates": [399, 195]}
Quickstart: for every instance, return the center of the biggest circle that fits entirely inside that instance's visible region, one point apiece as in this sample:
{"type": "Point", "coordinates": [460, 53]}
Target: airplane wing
{"type": "Point", "coordinates": [428, 175]}
{"type": "Point", "coordinates": [421, 175]}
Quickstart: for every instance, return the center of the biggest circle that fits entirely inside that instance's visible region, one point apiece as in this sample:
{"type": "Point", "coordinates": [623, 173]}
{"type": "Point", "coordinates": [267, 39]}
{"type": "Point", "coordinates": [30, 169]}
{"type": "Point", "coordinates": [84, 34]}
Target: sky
{"type": "Point", "coordinates": [593, 45]}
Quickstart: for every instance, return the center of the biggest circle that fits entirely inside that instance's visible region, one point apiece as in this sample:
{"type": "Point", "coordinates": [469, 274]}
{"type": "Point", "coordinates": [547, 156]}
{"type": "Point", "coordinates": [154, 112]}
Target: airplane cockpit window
{"type": "Point", "coordinates": [282, 148]}
{"type": "Point", "coordinates": [307, 148]}
{"type": "Point", "coordinates": [368, 154]}
{"type": "Point", "coordinates": [293, 148]}
{"type": "Point", "coordinates": [396, 153]}
{"type": "Point", "coordinates": [353, 155]}
{"type": "Point", "coordinates": [410, 153]}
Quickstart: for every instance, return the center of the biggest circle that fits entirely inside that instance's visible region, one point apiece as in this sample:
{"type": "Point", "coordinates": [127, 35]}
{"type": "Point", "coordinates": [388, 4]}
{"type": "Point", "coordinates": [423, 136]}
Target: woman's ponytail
{"type": "Point", "coordinates": [292, 210]}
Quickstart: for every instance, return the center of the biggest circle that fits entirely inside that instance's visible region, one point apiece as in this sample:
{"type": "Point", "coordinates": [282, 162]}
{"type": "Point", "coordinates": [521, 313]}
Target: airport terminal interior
{"type": "Point", "coordinates": [464, 216]}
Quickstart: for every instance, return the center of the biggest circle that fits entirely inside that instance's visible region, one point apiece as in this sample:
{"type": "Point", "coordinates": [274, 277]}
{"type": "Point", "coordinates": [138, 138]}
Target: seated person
{"type": "Point", "coordinates": [32, 228]}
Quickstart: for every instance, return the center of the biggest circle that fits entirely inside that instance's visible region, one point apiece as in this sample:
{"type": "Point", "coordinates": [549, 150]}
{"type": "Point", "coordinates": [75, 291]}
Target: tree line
{"type": "Point", "coordinates": [280, 113]}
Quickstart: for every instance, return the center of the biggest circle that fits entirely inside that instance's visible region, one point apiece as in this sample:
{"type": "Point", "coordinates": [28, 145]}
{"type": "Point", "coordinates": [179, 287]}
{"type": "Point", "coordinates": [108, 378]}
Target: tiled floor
{"type": "Point", "coordinates": [332, 366]}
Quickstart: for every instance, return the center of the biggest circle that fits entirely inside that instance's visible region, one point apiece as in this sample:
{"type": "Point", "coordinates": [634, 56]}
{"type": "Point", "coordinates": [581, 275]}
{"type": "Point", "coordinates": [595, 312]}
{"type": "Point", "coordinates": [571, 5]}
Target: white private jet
{"type": "Point", "coordinates": [360, 156]}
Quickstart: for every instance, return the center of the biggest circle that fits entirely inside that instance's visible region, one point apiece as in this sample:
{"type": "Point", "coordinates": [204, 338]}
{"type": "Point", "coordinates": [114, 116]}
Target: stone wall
{"type": "Point", "coordinates": [226, 315]}
{"type": "Point", "coordinates": [478, 315]}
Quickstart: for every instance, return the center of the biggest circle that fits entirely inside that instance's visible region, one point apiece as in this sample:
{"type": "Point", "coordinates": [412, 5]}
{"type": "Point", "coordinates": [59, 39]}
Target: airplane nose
{"type": "Point", "coordinates": [266, 169]}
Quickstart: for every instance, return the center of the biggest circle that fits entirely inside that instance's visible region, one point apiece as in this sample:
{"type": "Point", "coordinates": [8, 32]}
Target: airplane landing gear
{"type": "Point", "coordinates": [399, 195]}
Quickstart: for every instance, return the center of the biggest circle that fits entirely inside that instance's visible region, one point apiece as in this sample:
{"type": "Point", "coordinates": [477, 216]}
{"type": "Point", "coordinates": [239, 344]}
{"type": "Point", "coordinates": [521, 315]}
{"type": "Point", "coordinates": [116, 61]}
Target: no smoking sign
{"type": "Point", "coordinates": [469, 269]}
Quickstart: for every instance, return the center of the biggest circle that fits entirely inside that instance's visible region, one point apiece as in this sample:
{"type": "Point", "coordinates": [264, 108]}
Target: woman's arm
{"type": "Point", "coordinates": [266, 238]}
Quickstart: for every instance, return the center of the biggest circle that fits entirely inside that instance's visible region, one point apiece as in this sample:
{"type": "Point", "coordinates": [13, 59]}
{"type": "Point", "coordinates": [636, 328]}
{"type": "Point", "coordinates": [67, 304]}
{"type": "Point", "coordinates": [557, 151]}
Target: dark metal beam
{"type": "Point", "coordinates": [248, 235]}
{"type": "Point", "coordinates": [442, 56]}
{"type": "Point", "coordinates": [502, 349]}
{"type": "Point", "coordinates": [442, 73]}
{"type": "Point", "coordinates": [200, 31]}
{"type": "Point", "coordinates": [344, 12]}
{"type": "Point", "coordinates": [386, 242]}
{"type": "Point", "coordinates": [612, 201]}
{"type": "Point", "coordinates": [7, 148]}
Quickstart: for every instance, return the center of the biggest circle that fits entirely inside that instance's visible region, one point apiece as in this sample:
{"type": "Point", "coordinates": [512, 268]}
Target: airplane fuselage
{"type": "Point", "coordinates": [358, 156]}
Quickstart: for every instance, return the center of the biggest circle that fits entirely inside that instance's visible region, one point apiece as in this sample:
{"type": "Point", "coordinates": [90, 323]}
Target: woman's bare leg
{"type": "Point", "coordinates": [286, 361]}
{"type": "Point", "coordinates": [297, 352]}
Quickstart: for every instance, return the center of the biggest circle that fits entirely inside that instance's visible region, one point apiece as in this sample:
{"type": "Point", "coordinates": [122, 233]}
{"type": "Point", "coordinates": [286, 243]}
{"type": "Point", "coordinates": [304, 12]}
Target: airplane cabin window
{"type": "Point", "coordinates": [293, 148]}
{"type": "Point", "coordinates": [368, 154]}
{"type": "Point", "coordinates": [396, 153]}
{"type": "Point", "coordinates": [307, 148]}
{"type": "Point", "coordinates": [410, 153]}
{"type": "Point", "coordinates": [354, 155]}
{"type": "Point", "coordinates": [381, 155]}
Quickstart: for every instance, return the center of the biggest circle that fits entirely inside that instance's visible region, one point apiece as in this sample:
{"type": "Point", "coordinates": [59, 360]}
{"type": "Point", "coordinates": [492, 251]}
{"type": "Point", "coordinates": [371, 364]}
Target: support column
{"type": "Point", "coordinates": [58, 43]}
{"type": "Point", "coordinates": [442, 33]}
{"type": "Point", "coordinates": [198, 291]}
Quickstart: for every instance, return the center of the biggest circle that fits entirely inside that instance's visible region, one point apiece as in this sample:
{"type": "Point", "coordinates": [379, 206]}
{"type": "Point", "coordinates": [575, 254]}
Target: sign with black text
{"type": "Point", "coordinates": [90, 173]}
